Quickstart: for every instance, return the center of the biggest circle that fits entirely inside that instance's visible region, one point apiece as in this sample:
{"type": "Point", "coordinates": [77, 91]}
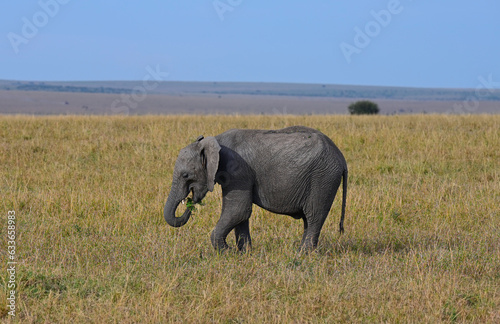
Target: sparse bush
{"type": "Point", "coordinates": [363, 107]}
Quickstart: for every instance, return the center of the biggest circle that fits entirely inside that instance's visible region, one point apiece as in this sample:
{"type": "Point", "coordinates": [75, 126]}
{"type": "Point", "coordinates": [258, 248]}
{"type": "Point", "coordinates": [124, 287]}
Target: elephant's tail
{"type": "Point", "coordinates": [344, 199]}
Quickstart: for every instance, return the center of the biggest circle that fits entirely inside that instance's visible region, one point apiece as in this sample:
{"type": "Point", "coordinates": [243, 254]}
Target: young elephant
{"type": "Point", "coordinates": [294, 171]}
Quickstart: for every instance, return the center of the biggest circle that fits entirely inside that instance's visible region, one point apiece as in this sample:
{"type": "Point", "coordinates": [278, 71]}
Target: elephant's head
{"type": "Point", "coordinates": [194, 172]}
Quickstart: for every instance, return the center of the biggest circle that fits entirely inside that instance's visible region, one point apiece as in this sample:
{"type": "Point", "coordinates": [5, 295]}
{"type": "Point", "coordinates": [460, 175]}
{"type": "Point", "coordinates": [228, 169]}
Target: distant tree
{"type": "Point", "coordinates": [363, 107]}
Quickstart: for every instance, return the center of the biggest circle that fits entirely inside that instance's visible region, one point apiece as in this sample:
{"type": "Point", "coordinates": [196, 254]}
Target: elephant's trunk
{"type": "Point", "coordinates": [171, 207]}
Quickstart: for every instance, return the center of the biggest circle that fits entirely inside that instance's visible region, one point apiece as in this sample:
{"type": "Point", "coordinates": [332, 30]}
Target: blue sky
{"type": "Point", "coordinates": [448, 43]}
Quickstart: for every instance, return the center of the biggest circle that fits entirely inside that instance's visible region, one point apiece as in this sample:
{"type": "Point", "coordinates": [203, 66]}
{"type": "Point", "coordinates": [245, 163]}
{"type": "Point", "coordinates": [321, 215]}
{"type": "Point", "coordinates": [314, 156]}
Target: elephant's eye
{"type": "Point", "coordinates": [185, 175]}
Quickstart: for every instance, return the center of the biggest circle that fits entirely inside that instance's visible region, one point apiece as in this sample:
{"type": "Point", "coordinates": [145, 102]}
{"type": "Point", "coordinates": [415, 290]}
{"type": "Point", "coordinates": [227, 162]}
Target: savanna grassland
{"type": "Point", "coordinates": [422, 239]}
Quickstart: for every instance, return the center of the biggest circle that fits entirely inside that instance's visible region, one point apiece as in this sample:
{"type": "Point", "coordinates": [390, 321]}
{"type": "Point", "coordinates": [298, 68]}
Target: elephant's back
{"type": "Point", "coordinates": [296, 146]}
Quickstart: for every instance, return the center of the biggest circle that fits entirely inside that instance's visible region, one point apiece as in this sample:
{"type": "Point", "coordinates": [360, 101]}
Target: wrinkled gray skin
{"type": "Point", "coordinates": [294, 171]}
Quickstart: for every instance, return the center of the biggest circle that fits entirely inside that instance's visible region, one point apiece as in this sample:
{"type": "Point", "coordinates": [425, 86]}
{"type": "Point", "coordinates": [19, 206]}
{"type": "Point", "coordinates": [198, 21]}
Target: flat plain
{"type": "Point", "coordinates": [73, 103]}
{"type": "Point", "coordinates": [170, 97]}
{"type": "Point", "coordinates": [421, 241]}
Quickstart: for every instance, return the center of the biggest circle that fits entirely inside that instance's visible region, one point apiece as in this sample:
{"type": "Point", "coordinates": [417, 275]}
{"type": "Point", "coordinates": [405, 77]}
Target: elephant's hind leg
{"type": "Point", "coordinates": [312, 229]}
{"type": "Point", "coordinates": [315, 213]}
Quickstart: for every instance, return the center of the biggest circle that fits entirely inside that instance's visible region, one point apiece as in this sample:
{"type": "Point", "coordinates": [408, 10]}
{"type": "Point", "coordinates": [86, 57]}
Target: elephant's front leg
{"type": "Point", "coordinates": [236, 210]}
{"type": "Point", "coordinates": [242, 233]}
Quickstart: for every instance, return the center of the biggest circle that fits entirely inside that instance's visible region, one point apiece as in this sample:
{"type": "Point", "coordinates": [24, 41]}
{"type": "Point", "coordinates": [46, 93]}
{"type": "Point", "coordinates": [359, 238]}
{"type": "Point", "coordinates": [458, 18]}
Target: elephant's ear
{"type": "Point", "coordinates": [210, 156]}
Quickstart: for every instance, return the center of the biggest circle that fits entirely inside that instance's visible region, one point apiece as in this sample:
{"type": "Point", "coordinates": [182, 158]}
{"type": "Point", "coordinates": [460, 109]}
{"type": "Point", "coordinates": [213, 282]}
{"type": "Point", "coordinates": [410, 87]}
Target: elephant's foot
{"type": "Point", "coordinates": [308, 244]}
{"type": "Point", "coordinates": [244, 244]}
{"type": "Point", "coordinates": [242, 235]}
{"type": "Point", "coordinates": [218, 242]}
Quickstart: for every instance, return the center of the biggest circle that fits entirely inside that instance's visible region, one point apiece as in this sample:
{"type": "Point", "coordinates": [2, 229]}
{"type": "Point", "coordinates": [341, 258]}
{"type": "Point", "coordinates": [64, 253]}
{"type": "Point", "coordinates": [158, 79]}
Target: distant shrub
{"type": "Point", "coordinates": [363, 107]}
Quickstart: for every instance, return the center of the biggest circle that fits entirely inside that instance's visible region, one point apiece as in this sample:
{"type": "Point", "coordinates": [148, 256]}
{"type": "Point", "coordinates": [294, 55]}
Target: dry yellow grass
{"type": "Point", "coordinates": [422, 241]}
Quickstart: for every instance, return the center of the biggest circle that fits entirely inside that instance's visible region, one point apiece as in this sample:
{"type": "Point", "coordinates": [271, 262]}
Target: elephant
{"type": "Point", "coordinates": [293, 171]}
